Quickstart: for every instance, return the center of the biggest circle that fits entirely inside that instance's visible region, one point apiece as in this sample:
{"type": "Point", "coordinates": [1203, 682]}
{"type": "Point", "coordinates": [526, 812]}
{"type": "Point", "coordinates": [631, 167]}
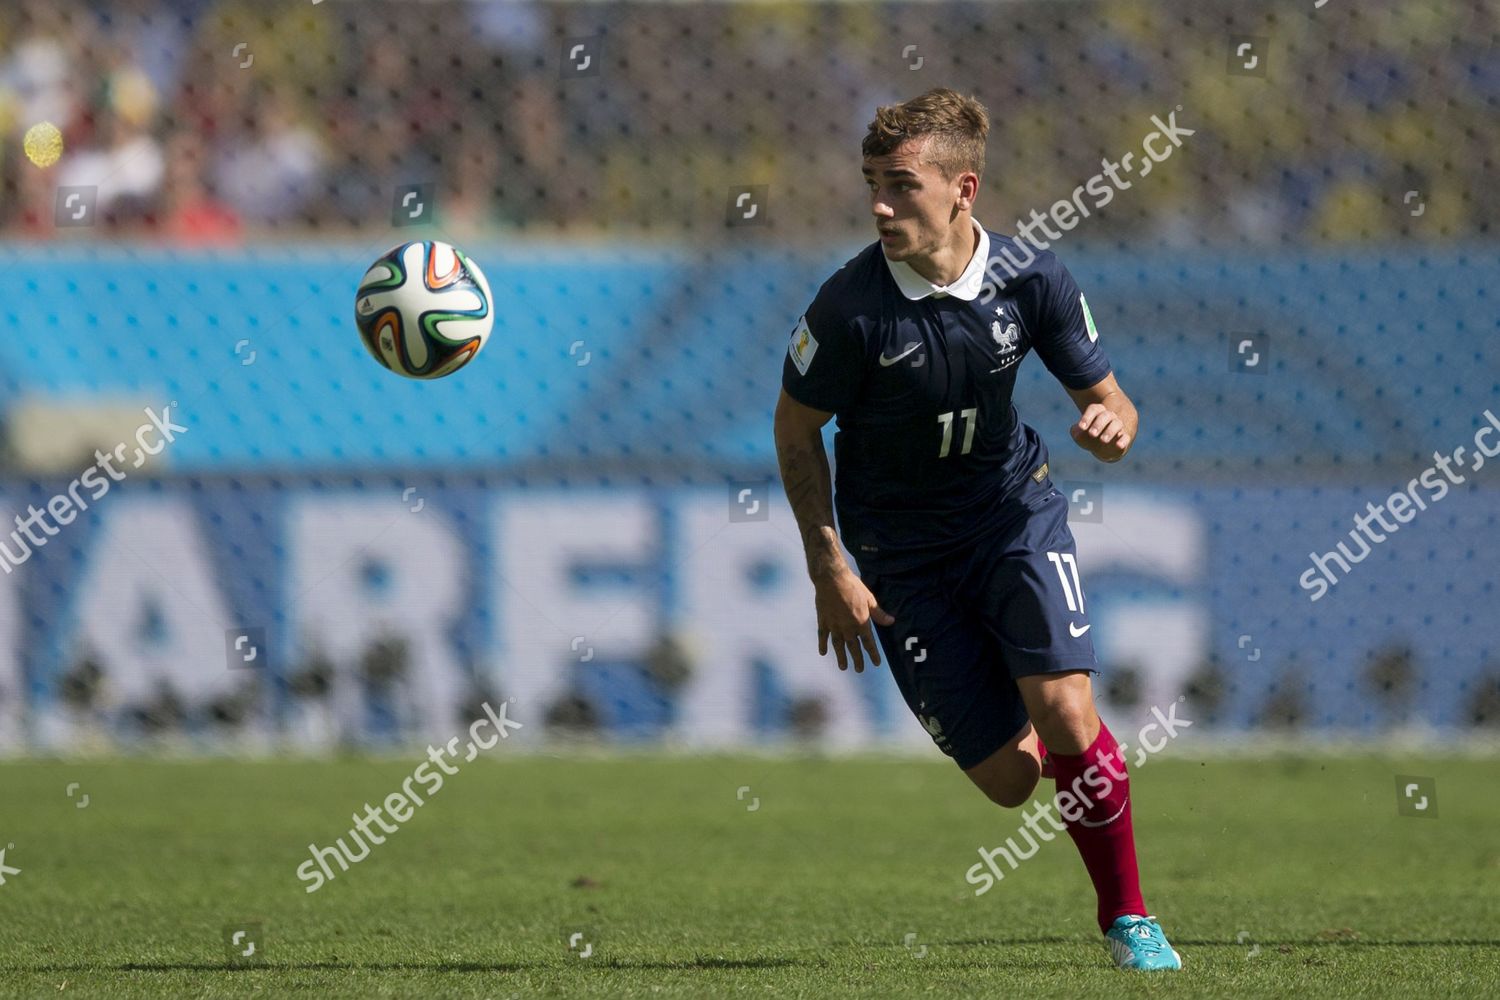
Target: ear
{"type": "Point", "coordinates": [968, 189]}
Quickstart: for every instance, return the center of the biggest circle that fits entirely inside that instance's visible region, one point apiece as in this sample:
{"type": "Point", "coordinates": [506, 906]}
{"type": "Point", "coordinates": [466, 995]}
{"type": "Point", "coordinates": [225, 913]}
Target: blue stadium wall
{"type": "Point", "coordinates": [545, 524]}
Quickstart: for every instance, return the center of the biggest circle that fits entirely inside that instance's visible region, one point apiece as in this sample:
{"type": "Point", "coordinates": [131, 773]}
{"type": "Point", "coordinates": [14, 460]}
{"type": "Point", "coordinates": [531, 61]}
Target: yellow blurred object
{"type": "Point", "coordinates": [1351, 211]}
{"type": "Point", "coordinates": [43, 144]}
{"type": "Point", "coordinates": [134, 96]}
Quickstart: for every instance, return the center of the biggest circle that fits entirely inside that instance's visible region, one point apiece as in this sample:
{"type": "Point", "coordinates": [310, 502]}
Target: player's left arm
{"type": "Point", "coordinates": [1107, 420]}
{"type": "Point", "coordinates": [1068, 343]}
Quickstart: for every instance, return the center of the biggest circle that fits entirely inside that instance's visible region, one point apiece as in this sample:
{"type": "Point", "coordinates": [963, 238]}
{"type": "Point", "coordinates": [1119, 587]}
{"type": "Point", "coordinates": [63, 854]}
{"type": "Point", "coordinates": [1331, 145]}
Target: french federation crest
{"type": "Point", "coordinates": [1006, 338]}
{"type": "Point", "coordinates": [935, 730]}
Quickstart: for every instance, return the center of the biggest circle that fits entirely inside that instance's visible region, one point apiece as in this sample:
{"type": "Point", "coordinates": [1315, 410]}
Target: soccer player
{"type": "Point", "coordinates": [966, 565]}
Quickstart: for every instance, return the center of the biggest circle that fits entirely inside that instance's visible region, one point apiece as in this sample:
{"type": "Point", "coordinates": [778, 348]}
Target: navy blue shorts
{"type": "Point", "coordinates": [967, 626]}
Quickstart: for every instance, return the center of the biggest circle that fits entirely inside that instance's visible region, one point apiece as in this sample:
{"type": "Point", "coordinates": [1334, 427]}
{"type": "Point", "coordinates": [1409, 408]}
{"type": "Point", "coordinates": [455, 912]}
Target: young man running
{"type": "Point", "coordinates": [967, 566]}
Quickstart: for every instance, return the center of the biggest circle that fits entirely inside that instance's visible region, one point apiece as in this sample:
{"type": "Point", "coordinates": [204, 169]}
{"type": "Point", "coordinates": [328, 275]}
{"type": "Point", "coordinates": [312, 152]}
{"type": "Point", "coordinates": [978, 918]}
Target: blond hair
{"type": "Point", "coordinates": [957, 124]}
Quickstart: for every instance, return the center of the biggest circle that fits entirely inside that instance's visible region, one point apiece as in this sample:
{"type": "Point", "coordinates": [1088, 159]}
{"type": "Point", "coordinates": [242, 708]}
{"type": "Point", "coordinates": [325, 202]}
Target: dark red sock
{"type": "Point", "coordinates": [1093, 798]}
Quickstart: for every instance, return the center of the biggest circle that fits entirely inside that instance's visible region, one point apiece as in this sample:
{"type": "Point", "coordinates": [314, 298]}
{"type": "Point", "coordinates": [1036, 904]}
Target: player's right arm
{"type": "Point", "coordinates": [844, 604]}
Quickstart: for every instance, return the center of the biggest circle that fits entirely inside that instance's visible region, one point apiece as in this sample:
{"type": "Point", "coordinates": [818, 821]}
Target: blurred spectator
{"type": "Point", "coordinates": [268, 174]}
{"type": "Point", "coordinates": [514, 27]}
{"type": "Point", "coordinates": [192, 215]}
{"type": "Point", "coordinates": [470, 204]}
{"type": "Point", "coordinates": [309, 116]}
{"type": "Point", "coordinates": [31, 198]}
{"type": "Point", "coordinates": [532, 183]}
{"type": "Point", "coordinates": [157, 33]}
{"type": "Point", "coordinates": [41, 76]}
{"type": "Point", "coordinates": [125, 162]}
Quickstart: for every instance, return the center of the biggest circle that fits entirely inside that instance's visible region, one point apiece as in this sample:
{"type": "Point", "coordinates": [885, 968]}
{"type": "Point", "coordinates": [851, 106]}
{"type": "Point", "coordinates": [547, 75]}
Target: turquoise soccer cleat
{"type": "Point", "coordinates": [1138, 943]}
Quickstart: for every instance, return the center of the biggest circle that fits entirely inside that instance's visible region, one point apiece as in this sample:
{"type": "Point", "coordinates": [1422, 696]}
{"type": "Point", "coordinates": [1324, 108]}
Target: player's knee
{"type": "Point", "coordinates": [1068, 729]}
{"type": "Point", "coordinates": [1062, 716]}
{"type": "Point", "coordinates": [1062, 711]}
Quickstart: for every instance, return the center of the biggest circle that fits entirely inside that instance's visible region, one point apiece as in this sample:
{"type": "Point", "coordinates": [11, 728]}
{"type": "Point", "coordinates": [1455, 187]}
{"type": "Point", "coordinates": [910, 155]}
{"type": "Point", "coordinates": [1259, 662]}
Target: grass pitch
{"type": "Point", "coordinates": [824, 878]}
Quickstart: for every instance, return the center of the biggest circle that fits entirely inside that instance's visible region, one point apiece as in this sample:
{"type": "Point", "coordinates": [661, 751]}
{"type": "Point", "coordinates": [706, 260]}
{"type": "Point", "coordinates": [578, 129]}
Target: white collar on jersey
{"type": "Point", "coordinates": [967, 287]}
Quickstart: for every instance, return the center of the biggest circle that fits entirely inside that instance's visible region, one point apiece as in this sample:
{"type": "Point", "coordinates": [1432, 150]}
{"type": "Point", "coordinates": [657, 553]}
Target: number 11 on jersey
{"type": "Point", "coordinates": [970, 417]}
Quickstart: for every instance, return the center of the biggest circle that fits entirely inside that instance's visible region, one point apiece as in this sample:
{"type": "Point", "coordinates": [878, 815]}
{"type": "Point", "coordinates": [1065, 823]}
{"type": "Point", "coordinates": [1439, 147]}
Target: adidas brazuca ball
{"type": "Point", "coordinates": [424, 309]}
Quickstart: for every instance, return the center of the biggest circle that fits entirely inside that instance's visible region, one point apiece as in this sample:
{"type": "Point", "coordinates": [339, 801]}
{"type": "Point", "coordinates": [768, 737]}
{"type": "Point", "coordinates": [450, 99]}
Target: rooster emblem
{"type": "Point", "coordinates": [1006, 338]}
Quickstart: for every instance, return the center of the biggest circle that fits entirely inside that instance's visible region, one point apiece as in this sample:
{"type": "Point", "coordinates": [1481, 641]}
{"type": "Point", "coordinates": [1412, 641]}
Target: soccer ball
{"type": "Point", "coordinates": [423, 309]}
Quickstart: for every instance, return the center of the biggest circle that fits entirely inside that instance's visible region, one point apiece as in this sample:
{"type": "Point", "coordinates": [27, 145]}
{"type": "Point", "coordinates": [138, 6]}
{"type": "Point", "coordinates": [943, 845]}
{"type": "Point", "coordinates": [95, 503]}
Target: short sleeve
{"type": "Point", "coordinates": [1064, 334]}
{"type": "Point", "coordinates": [824, 366]}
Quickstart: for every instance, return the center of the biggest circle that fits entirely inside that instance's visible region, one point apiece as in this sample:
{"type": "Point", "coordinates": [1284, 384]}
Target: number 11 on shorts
{"type": "Point", "coordinates": [1058, 559]}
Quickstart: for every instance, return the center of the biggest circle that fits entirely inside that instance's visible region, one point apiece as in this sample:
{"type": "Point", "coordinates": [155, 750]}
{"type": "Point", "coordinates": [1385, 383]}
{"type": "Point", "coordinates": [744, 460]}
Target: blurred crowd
{"type": "Point", "coordinates": [208, 122]}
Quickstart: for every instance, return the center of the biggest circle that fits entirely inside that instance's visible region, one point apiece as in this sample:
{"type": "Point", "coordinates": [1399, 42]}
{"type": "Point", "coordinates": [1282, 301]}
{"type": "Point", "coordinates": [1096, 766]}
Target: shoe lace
{"type": "Point", "coordinates": [1148, 939]}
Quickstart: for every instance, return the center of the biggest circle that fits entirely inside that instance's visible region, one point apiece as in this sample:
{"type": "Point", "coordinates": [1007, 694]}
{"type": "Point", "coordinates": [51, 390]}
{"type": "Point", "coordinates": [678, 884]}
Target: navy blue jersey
{"type": "Point", "coordinates": [920, 380]}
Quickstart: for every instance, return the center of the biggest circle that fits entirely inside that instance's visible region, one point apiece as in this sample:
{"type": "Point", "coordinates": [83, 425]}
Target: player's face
{"type": "Point", "coordinates": [913, 203]}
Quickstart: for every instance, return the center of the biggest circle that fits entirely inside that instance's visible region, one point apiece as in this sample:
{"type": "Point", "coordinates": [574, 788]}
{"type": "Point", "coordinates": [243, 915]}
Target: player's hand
{"type": "Point", "coordinates": [1101, 433]}
{"type": "Point", "coordinates": [845, 608]}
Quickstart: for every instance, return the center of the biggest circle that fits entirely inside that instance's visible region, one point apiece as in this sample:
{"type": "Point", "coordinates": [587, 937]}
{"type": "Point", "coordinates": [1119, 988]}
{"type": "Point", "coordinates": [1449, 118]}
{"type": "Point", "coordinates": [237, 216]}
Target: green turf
{"type": "Point", "coordinates": [1288, 878]}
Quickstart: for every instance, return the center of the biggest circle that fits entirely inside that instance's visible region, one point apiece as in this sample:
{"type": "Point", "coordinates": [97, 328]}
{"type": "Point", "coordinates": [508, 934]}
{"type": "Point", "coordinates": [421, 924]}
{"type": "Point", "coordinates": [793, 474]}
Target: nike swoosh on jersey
{"type": "Point", "coordinates": [1075, 631]}
{"type": "Point", "coordinates": [886, 362]}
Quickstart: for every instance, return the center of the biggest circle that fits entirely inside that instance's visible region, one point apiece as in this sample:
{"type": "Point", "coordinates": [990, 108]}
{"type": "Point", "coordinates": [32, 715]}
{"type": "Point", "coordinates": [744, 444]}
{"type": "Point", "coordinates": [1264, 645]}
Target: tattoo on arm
{"type": "Point", "coordinates": [809, 490]}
